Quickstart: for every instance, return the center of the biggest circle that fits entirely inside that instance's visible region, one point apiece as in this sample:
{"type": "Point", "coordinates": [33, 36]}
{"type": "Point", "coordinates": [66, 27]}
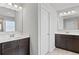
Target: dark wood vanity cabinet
{"type": "Point", "coordinates": [67, 42]}
{"type": "Point", "coordinates": [16, 47]}
{"type": "Point", "coordinates": [59, 42]}
{"type": "Point", "coordinates": [0, 49]}
{"type": "Point", "coordinates": [73, 43]}
{"type": "Point", "coordinates": [10, 48]}
{"type": "Point", "coordinates": [23, 44]}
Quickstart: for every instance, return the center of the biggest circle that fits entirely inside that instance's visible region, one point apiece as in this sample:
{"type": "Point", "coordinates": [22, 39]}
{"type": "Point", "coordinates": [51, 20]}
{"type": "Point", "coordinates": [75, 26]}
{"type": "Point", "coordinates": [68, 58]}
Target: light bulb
{"type": "Point", "coordinates": [16, 6]}
{"type": "Point", "coordinates": [69, 12]}
{"type": "Point", "coordinates": [61, 14]}
{"type": "Point", "coordinates": [10, 4]}
{"type": "Point", "coordinates": [65, 13]}
{"type": "Point", "coordinates": [20, 7]}
{"type": "Point", "coordinates": [73, 11]}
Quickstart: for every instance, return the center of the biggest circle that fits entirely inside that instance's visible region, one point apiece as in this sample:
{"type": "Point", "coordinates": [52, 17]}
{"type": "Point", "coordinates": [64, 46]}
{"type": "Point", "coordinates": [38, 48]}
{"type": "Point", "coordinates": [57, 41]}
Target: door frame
{"type": "Point", "coordinates": [39, 28]}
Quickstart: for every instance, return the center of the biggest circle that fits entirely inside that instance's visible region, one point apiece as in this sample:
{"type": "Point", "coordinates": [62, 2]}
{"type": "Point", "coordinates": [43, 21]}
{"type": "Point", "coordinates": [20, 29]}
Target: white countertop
{"type": "Point", "coordinates": [67, 33]}
{"type": "Point", "coordinates": [6, 37]}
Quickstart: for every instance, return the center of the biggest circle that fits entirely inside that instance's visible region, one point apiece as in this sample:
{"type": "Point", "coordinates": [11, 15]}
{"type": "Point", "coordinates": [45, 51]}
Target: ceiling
{"type": "Point", "coordinates": [61, 6]}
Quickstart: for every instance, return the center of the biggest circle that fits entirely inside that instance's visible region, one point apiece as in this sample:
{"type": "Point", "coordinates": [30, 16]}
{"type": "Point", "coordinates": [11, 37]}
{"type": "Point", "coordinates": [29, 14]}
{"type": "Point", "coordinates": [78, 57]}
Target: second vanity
{"type": "Point", "coordinates": [17, 44]}
{"type": "Point", "coordinates": [67, 41]}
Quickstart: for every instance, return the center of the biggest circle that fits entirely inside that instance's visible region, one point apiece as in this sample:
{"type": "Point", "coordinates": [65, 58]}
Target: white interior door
{"type": "Point", "coordinates": [44, 31]}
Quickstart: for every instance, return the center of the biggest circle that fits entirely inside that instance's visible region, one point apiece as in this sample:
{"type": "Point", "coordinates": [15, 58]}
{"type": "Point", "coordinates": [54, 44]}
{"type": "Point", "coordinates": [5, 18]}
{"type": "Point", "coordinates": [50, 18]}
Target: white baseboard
{"type": "Point", "coordinates": [51, 49]}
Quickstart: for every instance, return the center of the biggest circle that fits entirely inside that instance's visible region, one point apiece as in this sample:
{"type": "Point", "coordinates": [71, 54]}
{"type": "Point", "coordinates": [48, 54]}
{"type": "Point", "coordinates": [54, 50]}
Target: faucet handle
{"type": "Point", "coordinates": [11, 35]}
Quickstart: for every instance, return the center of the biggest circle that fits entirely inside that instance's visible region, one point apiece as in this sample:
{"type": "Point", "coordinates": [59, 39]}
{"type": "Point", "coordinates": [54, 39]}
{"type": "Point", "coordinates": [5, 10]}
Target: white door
{"type": "Point", "coordinates": [44, 31]}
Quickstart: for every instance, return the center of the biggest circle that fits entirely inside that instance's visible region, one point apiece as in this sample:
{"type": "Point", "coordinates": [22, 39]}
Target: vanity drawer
{"type": "Point", "coordinates": [11, 51]}
{"type": "Point", "coordinates": [73, 36]}
{"type": "Point", "coordinates": [9, 45]}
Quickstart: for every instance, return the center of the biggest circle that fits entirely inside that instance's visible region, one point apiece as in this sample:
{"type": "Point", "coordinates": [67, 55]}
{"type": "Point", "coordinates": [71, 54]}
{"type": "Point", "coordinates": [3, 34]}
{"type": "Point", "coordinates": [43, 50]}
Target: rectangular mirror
{"type": "Point", "coordinates": [7, 20]}
{"type": "Point", "coordinates": [68, 19]}
{"type": "Point", "coordinates": [71, 23]}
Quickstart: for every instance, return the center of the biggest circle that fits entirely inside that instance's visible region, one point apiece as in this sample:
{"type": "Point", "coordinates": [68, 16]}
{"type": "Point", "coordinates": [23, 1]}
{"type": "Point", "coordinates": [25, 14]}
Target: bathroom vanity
{"type": "Point", "coordinates": [67, 36]}
{"type": "Point", "coordinates": [67, 41]}
{"type": "Point", "coordinates": [19, 45]}
{"type": "Point", "coordinates": [13, 40]}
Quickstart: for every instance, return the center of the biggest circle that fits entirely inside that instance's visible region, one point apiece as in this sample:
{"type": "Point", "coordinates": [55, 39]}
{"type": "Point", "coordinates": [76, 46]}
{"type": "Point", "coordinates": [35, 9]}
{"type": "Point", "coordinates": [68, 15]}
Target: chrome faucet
{"type": "Point", "coordinates": [12, 35]}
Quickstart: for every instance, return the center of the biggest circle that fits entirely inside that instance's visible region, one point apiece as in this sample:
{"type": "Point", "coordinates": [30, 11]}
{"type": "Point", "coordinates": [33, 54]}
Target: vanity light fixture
{"type": "Point", "coordinates": [10, 4]}
{"type": "Point", "coordinates": [63, 14]}
{"type": "Point", "coordinates": [15, 5]}
{"type": "Point", "coordinates": [67, 13]}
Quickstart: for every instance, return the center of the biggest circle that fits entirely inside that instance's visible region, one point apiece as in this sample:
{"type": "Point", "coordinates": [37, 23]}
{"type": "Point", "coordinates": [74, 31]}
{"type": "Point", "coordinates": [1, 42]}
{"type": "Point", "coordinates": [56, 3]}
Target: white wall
{"type": "Point", "coordinates": [61, 6]}
{"type": "Point", "coordinates": [19, 19]}
{"type": "Point", "coordinates": [53, 27]}
{"type": "Point", "coordinates": [60, 23]}
{"type": "Point", "coordinates": [30, 25]}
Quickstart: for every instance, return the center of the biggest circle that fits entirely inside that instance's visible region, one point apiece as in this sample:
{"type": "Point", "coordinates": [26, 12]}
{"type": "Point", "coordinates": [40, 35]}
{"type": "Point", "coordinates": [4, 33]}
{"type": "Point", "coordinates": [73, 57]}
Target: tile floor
{"type": "Point", "coordinates": [58, 51]}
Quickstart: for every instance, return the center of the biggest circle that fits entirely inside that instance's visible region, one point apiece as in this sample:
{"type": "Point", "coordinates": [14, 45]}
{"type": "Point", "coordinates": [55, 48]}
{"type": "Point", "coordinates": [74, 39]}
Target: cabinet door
{"type": "Point", "coordinates": [73, 44]}
{"type": "Point", "coordinates": [0, 49]}
{"type": "Point", "coordinates": [60, 41]}
{"type": "Point", "coordinates": [10, 48]}
{"type": "Point", "coordinates": [69, 44]}
{"type": "Point", "coordinates": [24, 46]}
